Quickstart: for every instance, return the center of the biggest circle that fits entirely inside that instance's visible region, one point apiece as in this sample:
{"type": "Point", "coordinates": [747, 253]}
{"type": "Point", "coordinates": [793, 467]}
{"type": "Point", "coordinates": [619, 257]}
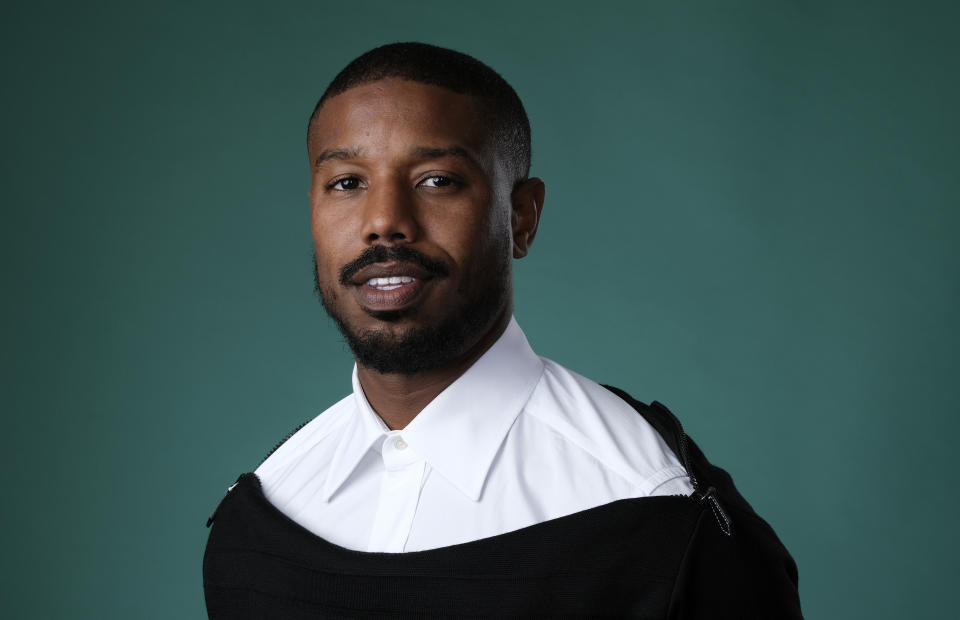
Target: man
{"type": "Point", "coordinates": [465, 475]}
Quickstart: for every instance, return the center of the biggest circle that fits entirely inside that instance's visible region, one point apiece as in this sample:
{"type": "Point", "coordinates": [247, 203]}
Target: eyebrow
{"type": "Point", "coordinates": [426, 152]}
{"type": "Point", "coordinates": [336, 154]}
{"type": "Point", "coordinates": [422, 152]}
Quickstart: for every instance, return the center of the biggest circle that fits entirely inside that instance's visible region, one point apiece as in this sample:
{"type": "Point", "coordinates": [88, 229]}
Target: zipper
{"type": "Point", "coordinates": [283, 441]}
{"type": "Point", "coordinates": [230, 488]}
{"type": "Point", "coordinates": [710, 496]}
{"type": "Point", "coordinates": [681, 442]}
{"type": "Point", "coordinates": [699, 495]}
{"type": "Point", "coordinates": [220, 503]}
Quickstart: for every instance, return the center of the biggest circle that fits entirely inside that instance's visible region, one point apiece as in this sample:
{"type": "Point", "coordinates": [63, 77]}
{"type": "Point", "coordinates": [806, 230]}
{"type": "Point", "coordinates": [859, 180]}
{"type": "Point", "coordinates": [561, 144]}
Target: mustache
{"type": "Point", "coordinates": [398, 253]}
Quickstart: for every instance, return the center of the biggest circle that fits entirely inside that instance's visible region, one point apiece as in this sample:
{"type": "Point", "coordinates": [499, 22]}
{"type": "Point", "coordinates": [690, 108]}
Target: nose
{"type": "Point", "coordinates": [390, 215]}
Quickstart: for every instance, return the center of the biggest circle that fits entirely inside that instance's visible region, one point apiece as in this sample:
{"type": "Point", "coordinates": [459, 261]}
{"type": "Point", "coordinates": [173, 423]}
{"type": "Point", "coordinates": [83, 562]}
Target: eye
{"type": "Point", "coordinates": [438, 181]}
{"type": "Point", "coordinates": [345, 184]}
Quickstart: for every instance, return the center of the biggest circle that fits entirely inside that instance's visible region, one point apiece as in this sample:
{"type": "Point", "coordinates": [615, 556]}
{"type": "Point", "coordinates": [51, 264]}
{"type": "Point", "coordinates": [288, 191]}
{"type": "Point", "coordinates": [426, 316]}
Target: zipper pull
{"type": "Point", "coordinates": [214, 515]}
{"type": "Point", "coordinates": [710, 496]}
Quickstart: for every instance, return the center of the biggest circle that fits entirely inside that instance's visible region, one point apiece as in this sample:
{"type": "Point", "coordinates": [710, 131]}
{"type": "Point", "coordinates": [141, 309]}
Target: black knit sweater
{"type": "Point", "coordinates": [704, 556]}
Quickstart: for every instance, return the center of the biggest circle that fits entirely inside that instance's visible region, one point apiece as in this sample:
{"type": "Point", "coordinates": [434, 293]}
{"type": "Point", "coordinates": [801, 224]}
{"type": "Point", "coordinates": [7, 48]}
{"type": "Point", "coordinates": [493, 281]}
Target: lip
{"type": "Point", "coordinates": [390, 269]}
{"type": "Point", "coordinates": [404, 296]}
{"type": "Point", "coordinates": [400, 298]}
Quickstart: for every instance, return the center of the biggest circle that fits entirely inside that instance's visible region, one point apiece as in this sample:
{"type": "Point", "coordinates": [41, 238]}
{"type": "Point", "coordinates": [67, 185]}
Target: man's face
{"type": "Point", "coordinates": [411, 223]}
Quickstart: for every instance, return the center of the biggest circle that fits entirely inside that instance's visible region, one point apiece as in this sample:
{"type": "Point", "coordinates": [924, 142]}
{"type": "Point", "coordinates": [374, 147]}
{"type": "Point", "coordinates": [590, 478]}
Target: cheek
{"type": "Point", "coordinates": [495, 232]}
{"type": "Point", "coordinates": [321, 227]}
{"type": "Point", "coordinates": [326, 268]}
{"type": "Point", "coordinates": [329, 244]}
{"type": "Point", "coordinates": [487, 247]}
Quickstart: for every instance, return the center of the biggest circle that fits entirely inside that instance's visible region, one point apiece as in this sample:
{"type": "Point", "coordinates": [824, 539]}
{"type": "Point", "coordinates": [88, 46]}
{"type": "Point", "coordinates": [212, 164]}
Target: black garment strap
{"type": "Point", "coordinates": [663, 421]}
{"type": "Point", "coordinates": [669, 427]}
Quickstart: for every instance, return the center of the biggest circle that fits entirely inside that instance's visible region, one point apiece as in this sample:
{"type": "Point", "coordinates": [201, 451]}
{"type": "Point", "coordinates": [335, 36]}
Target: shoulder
{"type": "Point", "coordinates": [321, 430]}
{"type": "Point", "coordinates": [590, 418]}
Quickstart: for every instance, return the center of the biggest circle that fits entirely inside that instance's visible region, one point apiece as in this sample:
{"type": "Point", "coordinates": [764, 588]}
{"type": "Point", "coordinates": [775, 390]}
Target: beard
{"type": "Point", "coordinates": [420, 349]}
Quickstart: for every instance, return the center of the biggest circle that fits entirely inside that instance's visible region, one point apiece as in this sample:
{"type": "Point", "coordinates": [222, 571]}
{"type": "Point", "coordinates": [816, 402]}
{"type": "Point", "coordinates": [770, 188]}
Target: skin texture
{"type": "Point", "coordinates": [396, 162]}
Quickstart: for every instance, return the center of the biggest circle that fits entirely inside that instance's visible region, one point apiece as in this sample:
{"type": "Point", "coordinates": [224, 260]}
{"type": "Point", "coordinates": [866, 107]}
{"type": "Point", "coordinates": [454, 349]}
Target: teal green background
{"type": "Point", "coordinates": [751, 215]}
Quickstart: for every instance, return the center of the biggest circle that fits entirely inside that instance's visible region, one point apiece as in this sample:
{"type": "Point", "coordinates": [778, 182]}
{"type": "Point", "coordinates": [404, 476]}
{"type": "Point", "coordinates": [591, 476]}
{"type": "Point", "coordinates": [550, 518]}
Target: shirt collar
{"type": "Point", "coordinates": [460, 432]}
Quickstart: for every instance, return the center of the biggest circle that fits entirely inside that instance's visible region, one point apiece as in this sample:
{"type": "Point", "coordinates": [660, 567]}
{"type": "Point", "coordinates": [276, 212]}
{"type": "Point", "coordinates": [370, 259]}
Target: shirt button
{"type": "Point", "coordinates": [399, 443]}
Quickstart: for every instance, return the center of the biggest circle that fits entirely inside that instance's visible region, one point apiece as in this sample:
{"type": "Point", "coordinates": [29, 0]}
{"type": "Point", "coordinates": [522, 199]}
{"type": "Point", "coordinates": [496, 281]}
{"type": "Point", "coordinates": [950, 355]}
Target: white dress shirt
{"type": "Point", "coordinates": [516, 440]}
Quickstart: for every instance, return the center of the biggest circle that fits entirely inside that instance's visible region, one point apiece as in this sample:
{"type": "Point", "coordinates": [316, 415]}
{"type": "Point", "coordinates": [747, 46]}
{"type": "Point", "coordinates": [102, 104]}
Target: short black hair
{"type": "Point", "coordinates": [456, 71]}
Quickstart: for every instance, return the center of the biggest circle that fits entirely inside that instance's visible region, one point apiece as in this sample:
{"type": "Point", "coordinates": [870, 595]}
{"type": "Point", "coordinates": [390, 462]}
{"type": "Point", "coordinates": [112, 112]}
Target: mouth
{"type": "Point", "coordinates": [390, 287]}
{"type": "Point", "coordinates": [389, 284]}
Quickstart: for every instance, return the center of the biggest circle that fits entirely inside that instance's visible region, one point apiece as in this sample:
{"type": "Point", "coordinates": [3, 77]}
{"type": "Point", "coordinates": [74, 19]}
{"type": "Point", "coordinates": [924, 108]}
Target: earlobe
{"type": "Point", "coordinates": [527, 204]}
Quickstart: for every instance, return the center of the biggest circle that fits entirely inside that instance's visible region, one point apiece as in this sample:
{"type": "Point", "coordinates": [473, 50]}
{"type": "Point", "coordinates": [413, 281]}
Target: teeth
{"type": "Point", "coordinates": [388, 284]}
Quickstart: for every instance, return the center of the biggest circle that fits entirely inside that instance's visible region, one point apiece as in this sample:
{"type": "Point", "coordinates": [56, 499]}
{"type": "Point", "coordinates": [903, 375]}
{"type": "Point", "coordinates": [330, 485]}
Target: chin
{"type": "Point", "coordinates": [391, 317]}
{"type": "Point", "coordinates": [391, 349]}
{"type": "Point", "coordinates": [387, 333]}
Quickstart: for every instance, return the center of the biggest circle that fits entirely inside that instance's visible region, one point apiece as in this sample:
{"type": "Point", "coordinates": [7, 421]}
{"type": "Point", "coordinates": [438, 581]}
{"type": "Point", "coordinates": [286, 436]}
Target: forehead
{"type": "Point", "coordinates": [394, 112]}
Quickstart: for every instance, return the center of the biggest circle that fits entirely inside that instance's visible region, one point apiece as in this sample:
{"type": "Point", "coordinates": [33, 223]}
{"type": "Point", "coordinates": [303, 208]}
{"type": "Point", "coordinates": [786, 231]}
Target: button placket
{"type": "Point", "coordinates": [399, 495]}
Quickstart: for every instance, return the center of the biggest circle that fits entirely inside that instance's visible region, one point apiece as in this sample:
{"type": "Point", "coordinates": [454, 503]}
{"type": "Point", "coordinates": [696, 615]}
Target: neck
{"type": "Point", "coordinates": [398, 398]}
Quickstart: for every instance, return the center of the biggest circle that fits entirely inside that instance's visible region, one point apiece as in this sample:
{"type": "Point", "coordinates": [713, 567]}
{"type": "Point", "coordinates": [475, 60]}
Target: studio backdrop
{"type": "Point", "coordinates": [751, 216]}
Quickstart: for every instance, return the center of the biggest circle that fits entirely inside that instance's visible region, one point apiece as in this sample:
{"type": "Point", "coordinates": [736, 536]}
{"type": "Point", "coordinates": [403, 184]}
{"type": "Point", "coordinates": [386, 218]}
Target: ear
{"type": "Point", "coordinates": [527, 204]}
